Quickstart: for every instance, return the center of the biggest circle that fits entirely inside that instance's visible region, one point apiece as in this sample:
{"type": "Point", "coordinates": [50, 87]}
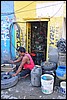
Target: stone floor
{"type": "Point", "coordinates": [24, 90]}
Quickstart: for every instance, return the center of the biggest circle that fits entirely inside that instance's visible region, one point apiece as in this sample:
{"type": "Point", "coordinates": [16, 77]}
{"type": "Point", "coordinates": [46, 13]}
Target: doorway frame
{"type": "Point", "coordinates": [29, 20]}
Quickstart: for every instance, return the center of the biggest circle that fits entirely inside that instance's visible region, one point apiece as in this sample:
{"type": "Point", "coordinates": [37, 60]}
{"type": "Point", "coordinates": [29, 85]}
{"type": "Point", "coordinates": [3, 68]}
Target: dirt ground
{"type": "Point", "coordinates": [24, 90]}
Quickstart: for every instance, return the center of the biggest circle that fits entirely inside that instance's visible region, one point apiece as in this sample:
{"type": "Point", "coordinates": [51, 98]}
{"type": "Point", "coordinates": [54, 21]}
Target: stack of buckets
{"type": "Point", "coordinates": [47, 83]}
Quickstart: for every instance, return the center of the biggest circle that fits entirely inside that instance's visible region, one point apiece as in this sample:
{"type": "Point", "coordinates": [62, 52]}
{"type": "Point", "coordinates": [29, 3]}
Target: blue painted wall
{"type": "Point", "coordinates": [7, 18]}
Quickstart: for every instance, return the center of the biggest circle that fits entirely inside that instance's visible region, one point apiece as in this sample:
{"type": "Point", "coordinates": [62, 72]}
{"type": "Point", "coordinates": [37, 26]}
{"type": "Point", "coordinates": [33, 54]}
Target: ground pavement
{"type": "Point", "coordinates": [24, 90]}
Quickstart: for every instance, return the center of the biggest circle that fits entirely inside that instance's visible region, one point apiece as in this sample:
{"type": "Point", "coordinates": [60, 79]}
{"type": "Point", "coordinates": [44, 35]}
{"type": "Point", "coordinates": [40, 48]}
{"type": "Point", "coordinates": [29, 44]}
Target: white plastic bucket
{"type": "Point", "coordinates": [47, 83]}
{"type": "Point", "coordinates": [63, 87]}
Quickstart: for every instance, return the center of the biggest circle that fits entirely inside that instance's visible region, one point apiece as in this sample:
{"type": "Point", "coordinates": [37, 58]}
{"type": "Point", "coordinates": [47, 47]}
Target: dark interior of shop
{"type": "Point", "coordinates": [39, 41]}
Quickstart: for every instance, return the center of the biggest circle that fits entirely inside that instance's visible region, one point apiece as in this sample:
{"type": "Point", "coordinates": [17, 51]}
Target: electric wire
{"type": "Point", "coordinates": [51, 17]}
{"type": "Point", "coordinates": [25, 6]}
{"type": "Point", "coordinates": [20, 8]}
{"type": "Point", "coordinates": [29, 9]}
{"type": "Point", "coordinates": [57, 11]}
{"type": "Point", "coordinates": [38, 8]}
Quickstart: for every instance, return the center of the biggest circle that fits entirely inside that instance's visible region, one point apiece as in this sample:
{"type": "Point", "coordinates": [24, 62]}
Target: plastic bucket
{"type": "Point", "coordinates": [47, 83]}
{"type": "Point", "coordinates": [63, 87]}
{"type": "Point", "coordinates": [61, 72]}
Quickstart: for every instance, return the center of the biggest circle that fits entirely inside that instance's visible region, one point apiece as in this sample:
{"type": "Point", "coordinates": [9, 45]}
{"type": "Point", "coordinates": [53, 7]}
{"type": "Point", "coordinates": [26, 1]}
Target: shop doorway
{"type": "Point", "coordinates": [37, 40]}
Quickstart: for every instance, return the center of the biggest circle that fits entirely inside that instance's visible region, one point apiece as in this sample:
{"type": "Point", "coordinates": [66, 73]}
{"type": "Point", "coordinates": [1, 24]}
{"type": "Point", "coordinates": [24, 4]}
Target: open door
{"type": "Point", "coordinates": [37, 40]}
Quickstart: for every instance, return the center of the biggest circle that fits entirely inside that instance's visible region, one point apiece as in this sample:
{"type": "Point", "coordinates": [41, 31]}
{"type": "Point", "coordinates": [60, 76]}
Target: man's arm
{"type": "Point", "coordinates": [18, 60]}
{"type": "Point", "coordinates": [24, 60]}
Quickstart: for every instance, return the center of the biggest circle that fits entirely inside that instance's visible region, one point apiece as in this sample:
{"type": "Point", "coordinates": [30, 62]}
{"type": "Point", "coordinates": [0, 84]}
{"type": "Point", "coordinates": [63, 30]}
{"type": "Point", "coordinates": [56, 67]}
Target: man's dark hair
{"type": "Point", "coordinates": [21, 49]}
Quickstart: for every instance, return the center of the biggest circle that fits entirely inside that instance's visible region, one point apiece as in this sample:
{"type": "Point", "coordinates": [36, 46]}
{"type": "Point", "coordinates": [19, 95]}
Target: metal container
{"type": "Point", "coordinates": [8, 67]}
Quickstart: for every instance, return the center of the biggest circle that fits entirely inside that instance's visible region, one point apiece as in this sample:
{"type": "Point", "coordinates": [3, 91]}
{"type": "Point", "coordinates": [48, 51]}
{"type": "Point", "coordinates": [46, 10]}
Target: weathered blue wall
{"type": "Point", "coordinates": [7, 18]}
